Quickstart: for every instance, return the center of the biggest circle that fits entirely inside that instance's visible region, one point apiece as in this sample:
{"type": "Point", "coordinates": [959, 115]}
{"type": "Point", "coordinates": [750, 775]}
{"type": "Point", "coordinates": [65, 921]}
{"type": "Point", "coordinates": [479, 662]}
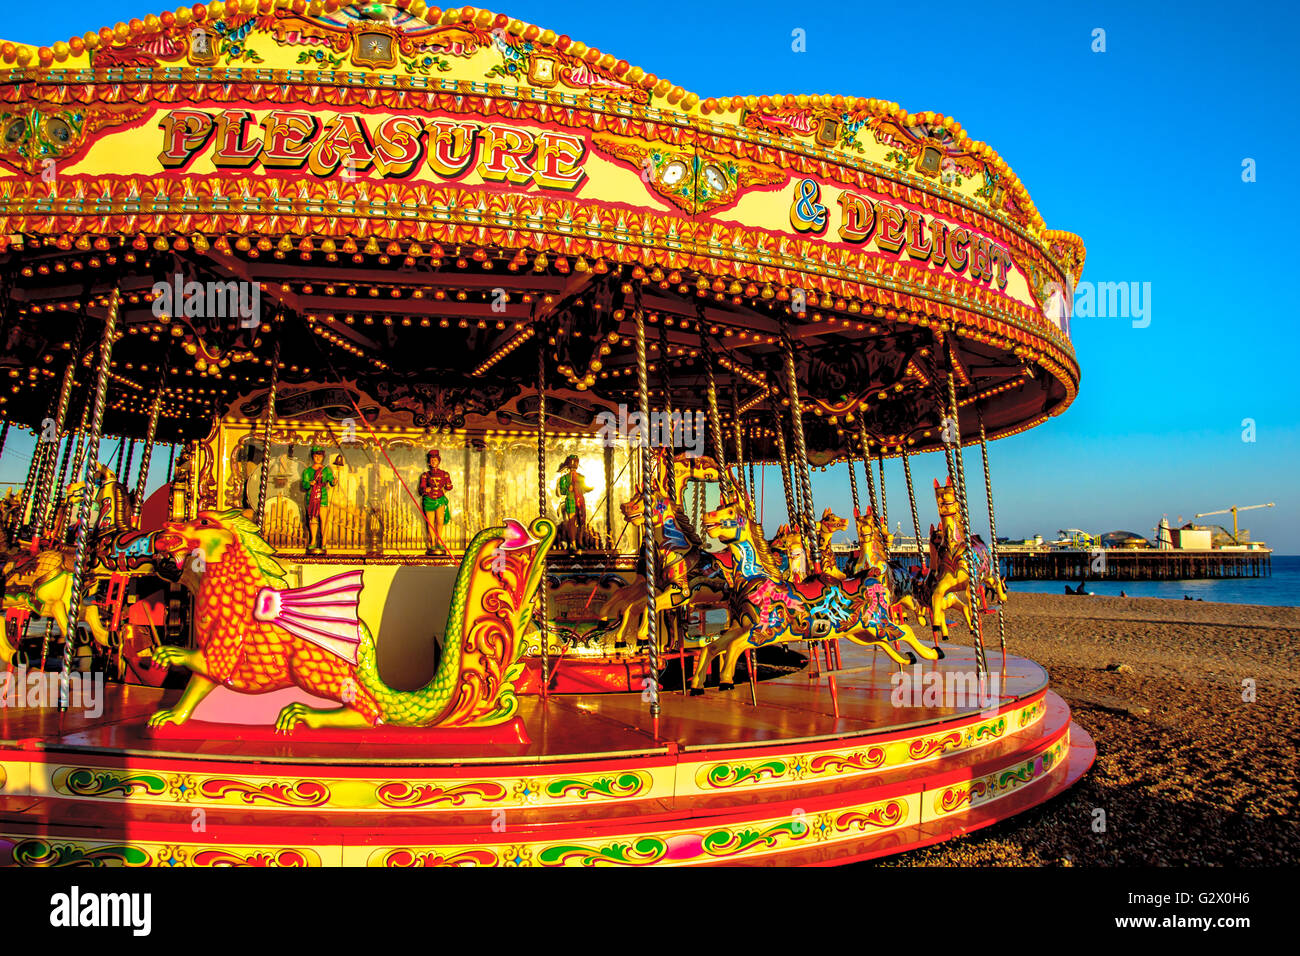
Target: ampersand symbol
{"type": "Point", "coordinates": [807, 214]}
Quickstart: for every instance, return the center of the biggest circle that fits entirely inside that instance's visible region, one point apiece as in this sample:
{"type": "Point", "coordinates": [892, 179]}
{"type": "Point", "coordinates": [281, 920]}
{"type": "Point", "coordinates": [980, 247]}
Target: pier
{"type": "Point", "coordinates": [1131, 564]}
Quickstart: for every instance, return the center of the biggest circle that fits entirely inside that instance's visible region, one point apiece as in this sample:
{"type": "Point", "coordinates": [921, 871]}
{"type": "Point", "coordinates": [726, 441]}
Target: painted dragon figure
{"type": "Point", "coordinates": [778, 612]}
{"type": "Point", "coordinates": [254, 634]}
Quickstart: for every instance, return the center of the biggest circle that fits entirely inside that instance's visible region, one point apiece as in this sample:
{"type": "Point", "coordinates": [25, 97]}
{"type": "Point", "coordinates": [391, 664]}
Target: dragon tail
{"type": "Point", "coordinates": [491, 606]}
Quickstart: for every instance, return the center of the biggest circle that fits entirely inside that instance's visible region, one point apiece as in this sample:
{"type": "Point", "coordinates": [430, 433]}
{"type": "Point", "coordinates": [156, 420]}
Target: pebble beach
{"type": "Point", "coordinates": [1187, 772]}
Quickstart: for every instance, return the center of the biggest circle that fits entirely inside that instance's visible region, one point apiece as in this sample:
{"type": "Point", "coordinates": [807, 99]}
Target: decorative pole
{"type": "Point", "coordinates": [264, 475]}
{"type": "Point", "coordinates": [664, 383]}
{"type": "Point", "coordinates": [866, 466]}
{"type": "Point", "coordinates": [647, 504]}
{"type": "Point", "coordinates": [50, 449]}
{"type": "Point", "coordinates": [853, 481]}
{"type": "Point", "coordinates": [993, 536]}
{"type": "Point", "coordinates": [800, 449]}
{"type": "Point", "coordinates": [79, 456]}
{"type": "Point", "coordinates": [192, 483]}
{"type": "Point", "coordinates": [715, 417]}
{"type": "Point", "coordinates": [753, 485]}
{"type": "Point", "coordinates": [911, 494]}
{"type": "Point", "coordinates": [784, 458]}
{"type": "Point", "coordinates": [735, 428]}
{"type": "Point", "coordinates": [884, 502]}
{"type": "Point", "coordinates": [38, 458]}
{"type": "Point", "coordinates": [541, 503]}
{"type": "Point", "coordinates": [125, 477]}
{"type": "Point", "coordinates": [146, 456]}
{"type": "Point", "coordinates": [87, 498]}
{"type": "Point", "coordinates": [967, 555]}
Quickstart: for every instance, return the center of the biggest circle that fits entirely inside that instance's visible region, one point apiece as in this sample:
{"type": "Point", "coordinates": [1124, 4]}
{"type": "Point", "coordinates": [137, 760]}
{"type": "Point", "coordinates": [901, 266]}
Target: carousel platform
{"type": "Point", "coordinates": [724, 781]}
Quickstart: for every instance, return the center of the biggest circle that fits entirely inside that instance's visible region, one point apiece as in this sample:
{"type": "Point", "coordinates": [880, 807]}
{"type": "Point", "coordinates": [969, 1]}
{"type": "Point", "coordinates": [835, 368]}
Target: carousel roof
{"type": "Point", "coordinates": [409, 200]}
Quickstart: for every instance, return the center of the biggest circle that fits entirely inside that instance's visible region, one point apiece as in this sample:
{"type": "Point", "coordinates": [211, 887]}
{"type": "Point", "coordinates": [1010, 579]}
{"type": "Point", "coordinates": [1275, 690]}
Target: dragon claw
{"type": "Point", "coordinates": [291, 716]}
{"type": "Point", "coordinates": [168, 715]}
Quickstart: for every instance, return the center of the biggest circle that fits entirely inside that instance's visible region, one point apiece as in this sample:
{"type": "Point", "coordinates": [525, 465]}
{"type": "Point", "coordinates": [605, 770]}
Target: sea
{"type": "Point", "coordinates": [1280, 589]}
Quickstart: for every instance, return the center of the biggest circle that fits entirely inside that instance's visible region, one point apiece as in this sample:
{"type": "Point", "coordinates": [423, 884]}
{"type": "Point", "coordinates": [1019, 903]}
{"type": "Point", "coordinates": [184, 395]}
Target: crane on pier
{"type": "Point", "coordinates": [1233, 511]}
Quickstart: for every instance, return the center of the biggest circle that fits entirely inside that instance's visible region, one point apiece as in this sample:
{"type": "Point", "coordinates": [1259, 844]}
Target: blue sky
{"type": "Point", "coordinates": [1138, 149]}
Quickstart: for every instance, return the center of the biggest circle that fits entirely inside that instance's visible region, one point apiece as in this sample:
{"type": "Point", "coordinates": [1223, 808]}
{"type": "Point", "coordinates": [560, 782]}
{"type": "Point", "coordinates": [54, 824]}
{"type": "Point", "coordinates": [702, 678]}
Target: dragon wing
{"type": "Point", "coordinates": [324, 613]}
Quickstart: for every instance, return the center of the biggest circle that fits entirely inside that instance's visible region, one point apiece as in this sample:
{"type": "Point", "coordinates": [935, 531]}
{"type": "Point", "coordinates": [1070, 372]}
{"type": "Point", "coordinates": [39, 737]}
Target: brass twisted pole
{"type": "Point", "coordinates": [911, 495]}
{"type": "Point", "coordinates": [800, 448]}
{"type": "Point", "coordinates": [735, 428]}
{"type": "Point", "coordinates": [784, 459]}
{"type": "Point", "coordinates": [993, 534]}
{"type": "Point", "coordinates": [269, 423]}
{"type": "Point", "coordinates": [29, 485]}
{"type": "Point", "coordinates": [543, 609]}
{"type": "Point", "coordinates": [87, 496]}
{"type": "Point", "coordinates": [715, 416]}
{"type": "Point", "coordinates": [647, 503]}
{"type": "Point", "coordinates": [663, 383]}
{"type": "Point", "coordinates": [74, 438]}
{"type": "Point", "coordinates": [884, 501]}
{"type": "Point", "coordinates": [126, 469]}
{"type": "Point", "coordinates": [146, 456]}
{"type": "Point", "coordinates": [46, 475]}
{"type": "Point", "coordinates": [967, 554]}
{"type": "Point", "coordinates": [853, 481]}
{"type": "Point", "coordinates": [753, 484]}
{"type": "Point", "coordinates": [79, 456]}
{"type": "Point", "coordinates": [866, 466]}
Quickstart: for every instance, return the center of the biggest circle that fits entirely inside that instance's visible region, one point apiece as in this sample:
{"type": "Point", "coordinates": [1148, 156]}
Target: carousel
{"type": "Point", "coordinates": [471, 350]}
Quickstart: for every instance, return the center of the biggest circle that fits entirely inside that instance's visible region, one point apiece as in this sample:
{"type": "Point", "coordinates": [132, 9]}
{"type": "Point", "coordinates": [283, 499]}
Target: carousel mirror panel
{"type": "Point", "coordinates": [375, 505]}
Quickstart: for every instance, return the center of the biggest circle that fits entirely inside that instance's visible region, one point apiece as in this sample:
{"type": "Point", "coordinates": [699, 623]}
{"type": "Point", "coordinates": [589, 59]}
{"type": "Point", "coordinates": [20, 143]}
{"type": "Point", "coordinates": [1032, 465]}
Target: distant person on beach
{"type": "Point", "coordinates": [1122, 594]}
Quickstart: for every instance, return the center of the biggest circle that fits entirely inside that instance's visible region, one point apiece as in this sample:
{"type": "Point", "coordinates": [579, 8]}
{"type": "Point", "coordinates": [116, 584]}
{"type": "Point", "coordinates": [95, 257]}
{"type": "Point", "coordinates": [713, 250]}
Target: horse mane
{"type": "Point", "coordinates": [765, 557]}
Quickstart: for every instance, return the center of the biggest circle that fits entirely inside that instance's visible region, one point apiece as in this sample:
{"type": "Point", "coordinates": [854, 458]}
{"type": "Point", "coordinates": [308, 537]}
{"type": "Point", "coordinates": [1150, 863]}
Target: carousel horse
{"type": "Point", "coordinates": [10, 505]}
{"type": "Point", "coordinates": [948, 585]}
{"type": "Point", "coordinates": [685, 571]}
{"type": "Point", "coordinates": [907, 583]}
{"type": "Point", "coordinates": [41, 582]}
{"type": "Point", "coordinates": [829, 524]}
{"type": "Point", "coordinates": [778, 612]}
{"type": "Point", "coordinates": [787, 548]}
{"type": "Point", "coordinates": [255, 634]}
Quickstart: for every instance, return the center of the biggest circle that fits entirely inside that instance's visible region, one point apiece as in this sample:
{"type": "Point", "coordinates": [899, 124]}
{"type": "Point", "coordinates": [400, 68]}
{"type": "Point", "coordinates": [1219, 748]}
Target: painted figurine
{"type": "Point", "coordinates": [434, 485]}
{"type": "Point", "coordinates": [317, 481]}
{"type": "Point", "coordinates": [572, 487]}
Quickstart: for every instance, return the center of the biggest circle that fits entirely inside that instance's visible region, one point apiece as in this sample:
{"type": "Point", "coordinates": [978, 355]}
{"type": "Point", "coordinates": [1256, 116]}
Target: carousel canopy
{"type": "Point", "coordinates": [408, 201]}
